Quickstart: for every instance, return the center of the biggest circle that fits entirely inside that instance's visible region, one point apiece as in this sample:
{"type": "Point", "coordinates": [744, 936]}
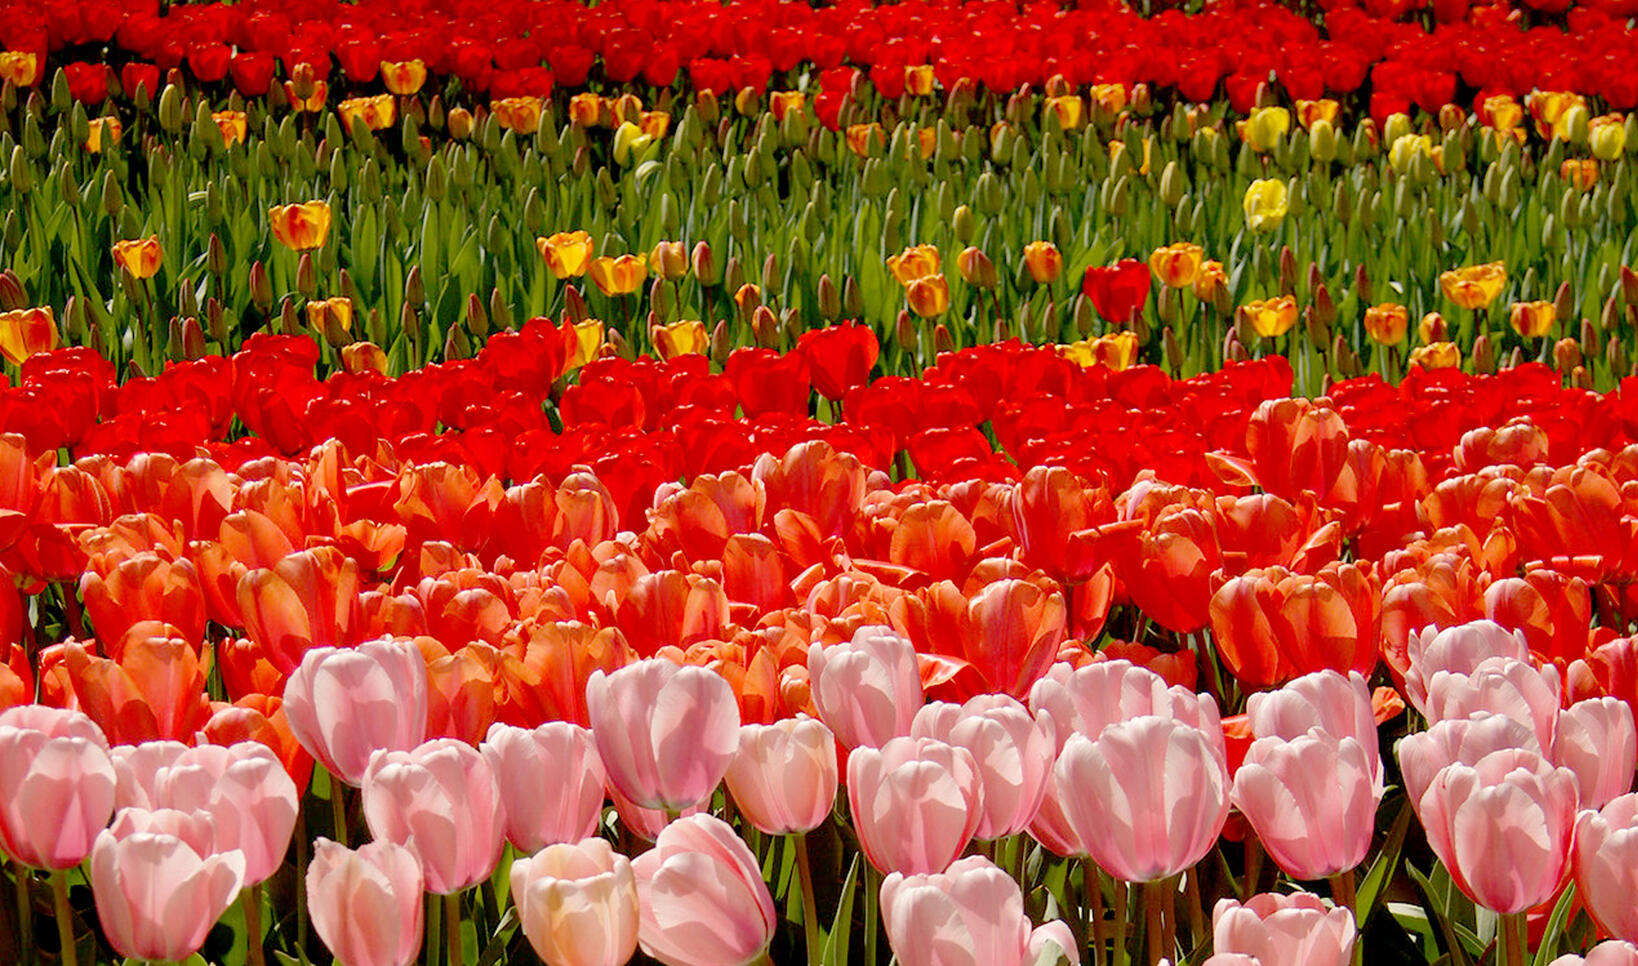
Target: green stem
{"type": "Point", "coordinates": [452, 928]}
{"type": "Point", "coordinates": [251, 897]}
{"type": "Point", "coordinates": [65, 918]}
{"type": "Point", "coordinates": [1513, 935]}
{"type": "Point", "coordinates": [1122, 954]}
{"type": "Point", "coordinates": [1254, 865]}
{"type": "Point", "coordinates": [1197, 913]}
{"type": "Point", "coordinates": [25, 913]}
{"type": "Point", "coordinates": [338, 809]}
{"type": "Point", "coordinates": [303, 844]}
{"type": "Point", "coordinates": [435, 910]}
{"type": "Point", "coordinates": [810, 908]}
{"type": "Point", "coordinates": [872, 898]}
{"type": "Point", "coordinates": [1092, 886]}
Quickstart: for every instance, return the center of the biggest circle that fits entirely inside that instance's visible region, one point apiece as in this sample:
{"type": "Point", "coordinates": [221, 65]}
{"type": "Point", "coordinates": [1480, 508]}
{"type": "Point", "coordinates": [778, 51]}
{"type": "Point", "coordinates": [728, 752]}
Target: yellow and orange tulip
{"type": "Point", "coordinates": [566, 253]}
{"type": "Point", "coordinates": [300, 227]}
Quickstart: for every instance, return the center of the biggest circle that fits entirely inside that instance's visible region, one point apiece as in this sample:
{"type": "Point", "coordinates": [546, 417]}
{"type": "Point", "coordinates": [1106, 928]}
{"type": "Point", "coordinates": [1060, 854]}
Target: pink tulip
{"type": "Point", "coordinates": [441, 801]}
{"type": "Point", "coordinates": [647, 823]}
{"type": "Point", "coordinates": [1459, 649]}
{"type": "Point", "coordinates": [970, 915]}
{"type": "Point", "coordinates": [1312, 801]}
{"type": "Point", "coordinates": [916, 803]}
{"type": "Point", "coordinates": [1014, 755]}
{"type": "Point", "coordinates": [344, 703]}
{"type": "Point", "coordinates": [1458, 741]}
{"type": "Point", "coordinates": [1337, 703]}
{"type": "Point", "coordinates": [1147, 797]}
{"type": "Point", "coordinates": [1596, 740]}
{"type": "Point", "coordinates": [784, 777]}
{"type": "Point", "coordinates": [578, 904]}
{"type": "Point", "coordinates": [702, 897]}
{"type": "Point", "coordinates": [243, 785]}
{"type": "Point", "coordinates": [868, 690]}
{"type": "Point", "coordinates": [1086, 700]}
{"type": "Point", "coordinates": [366, 903]}
{"type": "Point", "coordinates": [159, 884]}
{"type": "Point", "coordinates": [1503, 828]}
{"type": "Point", "coordinates": [1499, 685]}
{"type": "Point", "coordinates": [665, 732]}
{"type": "Point", "coordinates": [1284, 930]}
{"type": "Point", "coordinates": [551, 782]}
{"type": "Point", "coordinates": [1230, 959]}
{"type": "Point", "coordinates": [1606, 865]}
{"type": "Point", "coordinates": [56, 787]}
{"type": "Point", "coordinates": [1612, 952]}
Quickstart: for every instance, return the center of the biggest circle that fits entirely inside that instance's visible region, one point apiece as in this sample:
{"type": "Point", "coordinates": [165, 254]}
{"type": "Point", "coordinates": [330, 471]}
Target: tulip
{"type": "Point", "coordinates": [917, 261]}
{"type": "Point", "coordinates": [916, 803]}
{"type": "Point", "coordinates": [970, 915]}
{"type": "Point", "coordinates": [1596, 740]}
{"type": "Point", "coordinates": [20, 68]}
{"type": "Point", "coordinates": [1337, 704]}
{"type": "Point", "coordinates": [588, 343]}
{"type": "Point", "coordinates": [1386, 324]}
{"type": "Point", "coordinates": [618, 276]}
{"type": "Point", "coordinates": [1475, 286]}
{"type": "Point", "coordinates": [159, 885]}
{"type": "Point", "coordinates": [345, 703]}
{"type": "Point", "coordinates": [1043, 262]}
{"type": "Point", "coordinates": [233, 124]}
{"type": "Point", "coordinates": [1210, 280]}
{"type": "Point", "coordinates": [702, 897]}
{"type": "Point", "coordinates": [1324, 109]}
{"type": "Point", "coordinates": [375, 113]}
{"type": "Point", "coordinates": [781, 103]}
{"type": "Point", "coordinates": [1265, 204]}
{"type": "Point", "coordinates": [1118, 351]}
{"type": "Point", "coordinates": [1266, 126]}
{"type": "Point", "coordinates": [520, 114]}
{"type": "Point", "coordinates": [665, 733]}
{"type": "Point", "coordinates": [1013, 753]}
{"type": "Point", "coordinates": [366, 903]}
{"type": "Point", "coordinates": [669, 260]}
{"type": "Point", "coordinates": [867, 691]}
{"type": "Point", "coordinates": [57, 786]}
{"type": "Point", "coordinates": [1405, 149]}
{"type": "Point", "coordinates": [1270, 318]}
{"type": "Point", "coordinates": [1606, 864]}
{"type": "Point", "coordinates": [1271, 625]}
{"type": "Point", "coordinates": [1147, 797]}
{"type": "Point", "coordinates": [1503, 828]}
{"type": "Point", "coordinates": [1607, 137]}
{"type": "Point", "coordinates": [25, 332]}
{"type": "Point", "coordinates": [1458, 741]}
{"type": "Point", "coordinates": [1532, 320]}
{"type": "Point", "coordinates": [976, 268]}
{"type": "Point", "coordinates": [783, 778]}
{"type": "Point", "coordinates": [442, 802]}
{"type": "Point", "coordinates": [1067, 108]}
{"type": "Point", "coordinates": [325, 314]}
{"type": "Point", "coordinates": [1312, 801]}
{"type": "Point", "coordinates": [685, 337]}
{"type": "Point", "coordinates": [919, 79]}
{"type": "Point", "coordinates": [1579, 173]}
{"type": "Point", "coordinates": [1117, 291]}
{"type": "Point", "coordinates": [1278, 930]}
{"type": "Point", "coordinates": [1499, 685]}
{"type": "Point", "coordinates": [1611, 952]}
{"type": "Point", "coordinates": [403, 77]}
{"type": "Point", "coordinates": [141, 257]}
{"type": "Point", "coordinates": [929, 297]}
{"type": "Point", "coordinates": [551, 782]}
{"type": "Point", "coordinates": [100, 130]}
{"type": "Point", "coordinates": [858, 137]}
{"type": "Point", "coordinates": [300, 227]}
{"type": "Point", "coordinates": [577, 904]}
{"type": "Point", "coordinates": [1176, 265]}
{"type": "Point", "coordinates": [362, 357]}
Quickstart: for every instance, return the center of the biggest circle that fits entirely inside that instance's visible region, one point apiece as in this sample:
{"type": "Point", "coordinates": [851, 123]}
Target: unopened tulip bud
{"type": "Point", "coordinates": [964, 224]}
{"type": "Point", "coordinates": [1591, 344]}
{"type": "Point", "coordinates": [943, 341]}
{"type": "Point", "coordinates": [574, 305]}
{"type": "Point", "coordinates": [306, 275]}
{"type": "Point", "coordinates": [904, 328]}
{"type": "Point", "coordinates": [765, 327]}
{"type": "Point", "coordinates": [170, 109]}
{"type": "Point", "coordinates": [12, 295]}
{"type": "Point", "coordinates": [415, 292]}
{"type": "Point", "coordinates": [830, 300]}
{"type": "Point", "coordinates": [1233, 349]}
{"type": "Point", "coordinates": [1325, 311]}
{"type": "Point", "coordinates": [976, 268]}
{"type": "Point", "coordinates": [289, 324]}
{"type": "Point", "coordinates": [113, 200]}
{"type": "Point", "coordinates": [722, 343]}
{"type": "Point", "coordinates": [1288, 270]}
{"type": "Point", "coordinates": [1432, 328]}
{"type": "Point", "coordinates": [1362, 284]}
{"type": "Point", "coordinates": [477, 320]}
{"type": "Point", "coordinates": [1484, 355]}
{"type": "Point", "coordinates": [1566, 355]}
{"type": "Point", "coordinates": [852, 298]}
{"type": "Point", "coordinates": [460, 123]}
{"type": "Point", "coordinates": [1616, 355]}
{"type": "Point", "coordinates": [1563, 303]}
{"type": "Point", "coordinates": [1171, 349]}
{"type": "Point", "coordinates": [1610, 315]}
{"type": "Point", "coordinates": [1322, 141]}
{"type": "Point", "coordinates": [1083, 315]}
{"type": "Point", "coordinates": [261, 290]}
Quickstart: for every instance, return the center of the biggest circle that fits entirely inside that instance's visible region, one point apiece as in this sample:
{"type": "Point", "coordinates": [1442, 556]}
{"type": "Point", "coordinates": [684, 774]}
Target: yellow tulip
{"type": "Point", "coordinates": [1270, 317]}
{"type": "Point", "coordinates": [566, 252]}
{"type": "Point", "coordinates": [140, 257]}
{"type": "Point", "coordinates": [687, 337]}
{"type": "Point", "coordinates": [1475, 286]}
{"type": "Point", "coordinates": [929, 296]}
{"type": "Point", "coordinates": [1436, 355]}
{"type": "Point", "coordinates": [403, 77]}
{"type": "Point", "coordinates": [618, 276]}
{"type": "Point", "coordinates": [1176, 265]}
{"type": "Point", "coordinates": [1117, 351]}
{"type": "Point", "coordinates": [917, 261]}
{"type": "Point", "coordinates": [1068, 109]}
{"type": "Point", "coordinates": [1043, 262]}
{"type": "Point", "coordinates": [1532, 320]}
{"type": "Point", "coordinates": [1607, 136]}
{"type": "Point", "coordinates": [300, 227]}
{"type": "Point", "coordinates": [1387, 323]}
{"type": "Point", "coordinates": [1265, 204]}
{"type": "Point", "coordinates": [588, 341]}
{"type": "Point", "coordinates": [1266, 126]}
{"type": "Point", "coordinates": [1324, 109]}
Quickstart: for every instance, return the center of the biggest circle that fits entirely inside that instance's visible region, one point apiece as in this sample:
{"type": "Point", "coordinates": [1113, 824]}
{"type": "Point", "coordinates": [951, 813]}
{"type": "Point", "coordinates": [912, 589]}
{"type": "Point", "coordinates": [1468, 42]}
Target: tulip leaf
{"type": "Point", "coordinates": [1554, 932]}
{"type": "Point", "coordinates": [841, 928]}
{"type": "Point", "coordinates": [1434, 904]}
{"type": "Point", "coordinates": [505, 933]}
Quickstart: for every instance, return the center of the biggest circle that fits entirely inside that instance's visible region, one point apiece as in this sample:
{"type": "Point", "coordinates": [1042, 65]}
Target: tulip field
{"type": "Point", "coordinates": [761, 482]}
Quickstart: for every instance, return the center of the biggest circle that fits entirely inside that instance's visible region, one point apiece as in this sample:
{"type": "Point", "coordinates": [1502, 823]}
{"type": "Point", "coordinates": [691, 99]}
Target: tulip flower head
{"type": "Point", "coordinates": [868, 690]}
{"type": "Point", "coordinates": [1475, 286]}
{"type": "Point", "coordinates": [1270, 318]}
{"type": "Point", "coordinates": [102, 130]}
{"type": "Point", "coordinates": [916, 803]}
{"type": "Point", "coordinates": [1272, 928]}
{"type": "Point", "coordinates": [345, 703]}
{"type": "Point", "coordinates": [971, 914]}
{"type": "Point", "coordinates": [1118, 351]}
{"type": "Point", "coordinates": [666, 734]}
{"type": "Point", "coordinates": [1386, 324]}
{"type": "Point", "coordinates": [618, 276]}
{"type": "Point", "coordinates": [59, 786]}
{"type": "Point", "coordinates": [1043, 262]}
{"type": "Point", "coordinates": [442, 801]}
{"type": "Point", "coordinates": [366, 902]}
{"type": "Point", "coordinates": [520, 114]}
{"type": "Point", "coordinates": [784, 776]}
{"type": "Point", "coordinates": [160, 884]}
{"type": "Point", "coordinates": [915, 262]}
{"type": "Point", "coordinates": [141, 257]}
{"type": "Point", "coordinates": [1607, 137]}
{"type": "Point", "coordinates": [1532, 320]}
{"type": "Point", "coordinates": [929, 296]}
{"type": "Point", "coordinates": [403, 77]}
{"type": "Point", "coordinates": [702, 897]}
{"type": "Point", "coordinates": [1176, 265]}
{"type": "Point", "coordinates": [24, 332]}
{"type": "Point", "coordinates": [566, 253]}
{"type": "Point", "coordinates": [20, 68]}
{"type": "Point", "coordinates": [233, 124]}
{"type": "Point", "coordinates": [1265, 204]}
{"type": "Point", "coordinates": [1265, 127]}
{"type": "Point", "coordinates": [300, 227]}
{"type": "Point", "coordinates": [577, 904]}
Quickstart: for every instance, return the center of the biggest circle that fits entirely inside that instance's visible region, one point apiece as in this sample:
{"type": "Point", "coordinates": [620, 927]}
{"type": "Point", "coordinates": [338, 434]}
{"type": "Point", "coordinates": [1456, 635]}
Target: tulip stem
{"type": "Point", "coordinates": [1092, 888]}
{"type": "Point", "coordinates": [1197, 912]}
{"type": "Point", "coordinates": [434, 916]}
{"type": "Point", "coordinates": [65, 920]}
{"type": "Point", "coordinates": [872, 898]}
{"type": "Point", "coordinates": [452, 928]}
{"type": "Point", "coordinates": [303, 844]}
{"type": "Point", "coordinates": [25, 913]}
{"type": "Point", "coordinates": [1254, 866]}
{"type": "Point", "coordinates": [1154, 898]}
{"type": "Point", "coordinates": [252, 899]}
{"type": "Point", "coordinates": [810, 908]}
{"type": "Point", "coordinates": [338, 810]}
{"type": "Point", "coordinates": [1513, 936]}
{"type": "Point", "coordinates": [1122, 907]}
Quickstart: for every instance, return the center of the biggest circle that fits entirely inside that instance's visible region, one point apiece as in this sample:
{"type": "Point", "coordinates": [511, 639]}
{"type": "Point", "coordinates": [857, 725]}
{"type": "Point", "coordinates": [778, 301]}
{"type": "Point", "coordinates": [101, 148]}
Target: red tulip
{"type": "Point", "coordinates": [1117, 291]}
{"type": "Point", "coordinates": [839, 357]}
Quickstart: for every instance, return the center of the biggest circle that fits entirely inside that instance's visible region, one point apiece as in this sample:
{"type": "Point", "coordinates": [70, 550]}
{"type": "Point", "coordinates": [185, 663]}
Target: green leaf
{"type": "Point", "coordinates": [1387, 859]}
{"type": "Point", "coordinates": [1555, 927]}
{"type": "Point", "coordinates": [841, 928]}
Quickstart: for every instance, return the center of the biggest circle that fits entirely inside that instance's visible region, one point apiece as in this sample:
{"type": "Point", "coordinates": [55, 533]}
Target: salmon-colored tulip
{"type": "Point", "coordinates": [160, 884]}
{"type": "Point", "coordinates": [1499, 685]}
{"type": "Point", "coordinates": [345, 703]}
{"type": "Point", "coordinates": [665, 733]}
{"type": "Point", "coordinates": [1458, 649]}
{"type": "Point", "coordinates": [58, 783]}
{"type": "Point", "coordinates": [1465, 741]}
{"type": "Point", "coordinates": [1273, 928]}
{"type": "Point", "coordinates": [441, 801]}
{"type": "Point", "coordinates": [783, 778]}
{"type": "Point", "coordinates": [261, 718]}
{"type": "Point", "coordinates": [307, 599]}
{"type": "Point", "coordinates": [702, 897]}
{"type": "Point", "coordinates": [1611, 952]}
{"type": "Point", "coordinates": [1337, 704]}
{"type": "Point", "coordinates": [366, 902]}
{"type": "Point", "coordinates": [971, 914]}
{"type": "Point", "coordinates": [916, 803]}
{"type": "Point", "coordinates": [577, 903]}
{"type": "Point", "coordinates": [156, 690]}
{"type": "Point", "coordinates": [1606, 864]}
{"type": "Point", "coordinates": [1272, 625]}
{"type": "Point", "coordinates": [551, 782]}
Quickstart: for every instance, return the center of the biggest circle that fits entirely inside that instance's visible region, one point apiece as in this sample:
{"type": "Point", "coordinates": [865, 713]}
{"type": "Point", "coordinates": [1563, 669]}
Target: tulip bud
{"type": "Point", "coordinates": [1171, 350]}
{"type": "Point", "coordinates": [22, 175]}
{"type": "Point", "coordinates": [306, 275]}
{"type": "Point", "coordinates": [1432, 328]}
{"type": "Point", "coordinates": [1484, 355]}
{"type": "Point", "coordinates": [1362, 285]}
{"type": "Point", "coordinates": [963, 224]}
{"type": "Point", "coordinates": [1610, 315]}
{"type": "Point", "coordinates": [1233, 350]}
{"type": "Point", "coordinates": [904, 329]}
{"type": "Point", "coordinates": [1563, 304]}
{"type": "Point", "coordinates": [704, 264]}
{"type": "Point", "coordinates": [574, 305]}
{"type": "Point", "coordinates": [1288, 270]}
{"type": "Point", "coordinates": [456, 346]}
{"type": "Point", "coordinates": [770, 274]}
{"type": "Point", "coordinates": [216, 321]}
{"type": "Point", "coordinates": [1629, 285]}
{"type": "Point", "coordinates": [477, 320]}
{"type": "Point", "coordinates": [1616, 354]}
{"type": "Point", "coordinates": [1590, 343]}
{"type": "Point", "coordinates": [1566, 355]}
{"type": "Point", "coordinates": [289, 324]}
{"type": "Point", "coordinates": [852, 298]}
{"type": "Point", "coordinates": [415, 292]}
{"type": "Point", "coordinates": [1325, 311]}
{"type": "Point", "coordinates": [12, 295]}
{"type": "Point", "coordinates": [830, 300]}
{"type": "Point", "coordinates": [621, 346]}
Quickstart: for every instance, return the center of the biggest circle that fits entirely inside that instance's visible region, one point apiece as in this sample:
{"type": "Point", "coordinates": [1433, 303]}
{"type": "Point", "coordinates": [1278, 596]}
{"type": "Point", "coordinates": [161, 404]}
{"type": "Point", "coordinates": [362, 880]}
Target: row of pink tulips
{"type": "Point", "coordinates": [1517, 794]}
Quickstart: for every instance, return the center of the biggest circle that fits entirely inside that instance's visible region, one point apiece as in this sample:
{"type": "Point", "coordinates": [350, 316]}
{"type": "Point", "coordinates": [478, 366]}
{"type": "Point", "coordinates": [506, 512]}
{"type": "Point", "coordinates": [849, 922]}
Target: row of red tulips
{"type": "Point", "coordinates": [525, 48]}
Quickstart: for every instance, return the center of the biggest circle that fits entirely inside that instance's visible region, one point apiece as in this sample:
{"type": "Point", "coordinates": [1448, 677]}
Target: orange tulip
{"type": "Point", "coordinates": [1436, 355]}
{"type": "Point", "coordinates": [155, 692]}
{"type": "Point", "coordinates": [1176, 265]}
{"type": "Point", "coordinates": [927, 141]}
{"type": "Point", "coordinates": [783, 102]}
{"type": "Point", "coordinates": [919, 79]}
{"type": "Point", "coordinates": [618, 276]}
{"type": "Point", "coordinates": [103, 130]}
{"type": "Point", "coordinates": [929, 296]}
{"type": "Point", "coordinates": [1210, 280]}
{"type": "Point", "coordinates": [363, 357]}
{"type": "Point", "coordinates": [403, 77]}
{"type": "Point", "coordinates": [680, 338]}
{"type": "Point", "coordinates": [322, 314]}
{"type": "Point", "coordinates": [520, 114]}
{"type": "Point", "coordinates": [1110, 98]}
{"type": "Point", "coordinates": [1165, 566]}
{"type": "Point", "coordinates": [1532, 320]}
{"type": "Point", "coordinates": [976, 268]}
{"type": "Point", "coordinates": [1579, 173]}
{"type": "Point", "coordinates": [1272, 625]}
{"type": "Point", "coordinates": [917, 261]}
{"type": "Point", "coordinates": [461, 693]}
{"type": "Point", "coordinates": [1001, 639]}
{"type": "Point", "coordinates": [308, 599]}
{"type": "Point", "coordinates": [301, 227]}
{"type": "Point", "coordinates": [858, 137]}
{"type": "Point", "coordinates": [141, 257]}
{"type": "Point", "coordinates": [1324, 109]}
{"type": "Point", "coordinates": [566, 252]}
{"type": "Point", "coordinates": [23, 332]}
{"type": "Point", "coordinates": [1475, 286]}
{"type": "Point", "coordinates": [1502, 112]}
{"type": "Point", "coordinates": [375, 112]}
{"type": "Point", "coordinates": [1294, 447]}
{"type": "Point", "coordinates": [585, 110]}
{"type": "Point", "coordinates": [142, 587]}
{"type": "Point", "coordinates": [936, 539]}
{"type": "Point", "coordinates": [1553, 610]}
{"type": "Point", "coordinates": [1043, 261]}
{"type": "Point", "coordinates": [318, 94]}
{"type": "Point", "coordinates": [655, 124]}
{"type": "Point", "coordinates": [1270, 318]}
{"type": "Point", "coordinates": [671, 607]}
{"type": "Point", "coordinates": [233, 125]}
{"type": "Point", "coordinates": [548, 682]}
{"type": "Point", "coordinates": [260, 718]}
{"type": "Point", "coordinates": [1387, 323]}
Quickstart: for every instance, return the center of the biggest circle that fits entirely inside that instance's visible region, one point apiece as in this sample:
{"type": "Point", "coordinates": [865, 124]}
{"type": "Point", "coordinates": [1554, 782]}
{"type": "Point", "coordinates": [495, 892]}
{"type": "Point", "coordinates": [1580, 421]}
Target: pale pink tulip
{"type": "Point", "coordinates": [647, 823]}
{"type": "Point", "coordinates": [441, 801]}
{"type": "Point", "coordinates": [784, 777]}
{"type": "Point", "coordinates": [665, 732]}
{"type": "Point", "coordinates": [1458, 741]}
{"type": "Point", "coordinates": [969, 915]}
{"type": "Point", "coordinates": [551, 782]}
{"type": "Point", "coordinates": [159, 884]}
{"type": "Point", "coordinates": [137, 769]}
{"type": "Point", "coordinates": [53, 722]}
{"type": "Point", "coordinates": [916, 803]}
{"type": "Point", "coordinates": [1612, 952]}
{"type": "Point", "coordinates": [1596, 740]}
{"type": "Point", "coordinates": [344, 703]}
{"type": "Point", "coordinates": [868, 690]}
{"type": "Point", "coordinates": [1606, 865]}
{"type": "Point", "coordinates": [1337, 703]}
{"type": "Point", "coordinates": [1499, 685]}
{"type": "Point", "coordinates": [1086, 700]}
{"type": "Point", "coordinates": [1503, 828]}
{"type": "Point", "coordinates": [1147, 797]}
{"type": "Point", "coordinates": [366, 902]}
{"type": "Point", "coordinates": [1013, 752]}
{"type": "Point", "coordinates": [1459, 649]}
{"type": "Point", "coordinates": [1312, 801]}
{"type": "Point", "coordinates": [1284, 930]}
{"type": "Point", "coordinates": [702, 897]}
{"type": "Point", "coordinates": [56, 787]}
{"type": "Point", "coordinates": [577, 904]}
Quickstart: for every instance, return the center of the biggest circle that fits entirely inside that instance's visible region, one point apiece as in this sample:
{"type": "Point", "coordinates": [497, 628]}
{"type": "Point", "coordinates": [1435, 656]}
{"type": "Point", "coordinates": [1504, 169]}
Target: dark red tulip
{"type": "Point", "coordinates": [1119, 290]}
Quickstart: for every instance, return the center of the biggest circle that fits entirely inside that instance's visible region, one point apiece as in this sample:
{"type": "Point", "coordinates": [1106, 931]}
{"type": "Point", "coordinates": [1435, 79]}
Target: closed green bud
{"type": "Point", "coordinates": [22, 173]}
{"type": "Point", "coordinates": [963, 224]}
{"type": "Point", "coordinates": [830, 300]}
{"type": "Point", "coordinates": [61, 97]}
{"type": "Point", "coordinates": [1322, 141]}
{"type": "Point", "coordinates": [1173, 185]}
